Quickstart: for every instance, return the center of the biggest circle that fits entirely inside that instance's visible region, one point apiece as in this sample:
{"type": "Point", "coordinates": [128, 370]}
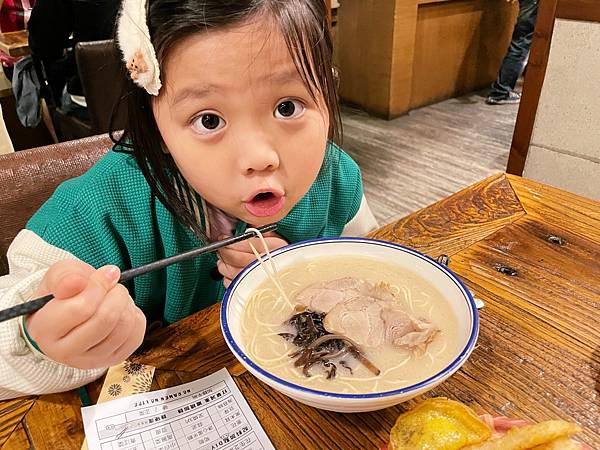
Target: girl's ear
{"type": "Point", "coordinates": [164, 148]}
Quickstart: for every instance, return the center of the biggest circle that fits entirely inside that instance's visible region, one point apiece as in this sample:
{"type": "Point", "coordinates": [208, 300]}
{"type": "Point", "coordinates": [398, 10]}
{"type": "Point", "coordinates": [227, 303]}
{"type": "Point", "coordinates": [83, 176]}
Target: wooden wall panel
{"type": "Point", "coordinates": [588, 10]}
{"type": "Point", "coordinates": [394, 55]}
{"type": "Point", "coordinates": [370, 42]}
{"type": "Point", "coordinates": [403, 53]}
{"type": "Point", "coordinates": [459, 46]}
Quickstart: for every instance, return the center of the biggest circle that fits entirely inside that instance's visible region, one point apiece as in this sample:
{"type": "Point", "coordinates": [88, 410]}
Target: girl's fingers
{"type": "Point", "coordinates": [134, 340]}
{"type": "Point", "coordinates": [71, 285]}
{"type": "Point", "coordinates": [226, 270]}
{"type": "Point", "coordinates": [119, 334]}
{"type": "Point", "coordinates": [244, 246]}
{"type": "Point", "coordinates": [65, 279]}
{"type": "Point", "coordinates": [102, 323]}
{"type": "Point", "coordinates": [241, 254]}
{"type": "Point", "coordinates": [117, 347]}
{"type": "Point", "coordinates": [59, 316]}
{"type": "Point", "coordinates": [233, 260]}
{"type": "Point", "coordinates": [237, 258]}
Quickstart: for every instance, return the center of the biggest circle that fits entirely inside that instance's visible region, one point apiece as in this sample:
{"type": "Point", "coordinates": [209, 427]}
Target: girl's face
{"type": "Point", "coordinates": [239, 122]}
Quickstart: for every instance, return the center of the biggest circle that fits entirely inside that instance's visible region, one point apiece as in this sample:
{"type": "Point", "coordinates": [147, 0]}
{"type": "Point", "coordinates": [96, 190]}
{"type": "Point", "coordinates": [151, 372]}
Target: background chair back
{"type": "Point", "coordinates": [557, 139]}
{"type": "Point", "coordinates": [29, 177]}
{"type": "Point", "coordinates": [102, 77]}
{"type": "Point", "coordinates": [67, 127]}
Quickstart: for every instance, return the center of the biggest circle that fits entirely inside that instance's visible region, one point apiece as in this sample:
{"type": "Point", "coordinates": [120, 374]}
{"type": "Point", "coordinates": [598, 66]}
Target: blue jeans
{"type": "Point", "coordinates": [517, 53]}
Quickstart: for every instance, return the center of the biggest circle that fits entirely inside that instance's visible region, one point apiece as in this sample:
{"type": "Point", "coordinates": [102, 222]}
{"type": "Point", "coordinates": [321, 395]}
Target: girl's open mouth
{"type": "Point", "coordinates": [265, 204]}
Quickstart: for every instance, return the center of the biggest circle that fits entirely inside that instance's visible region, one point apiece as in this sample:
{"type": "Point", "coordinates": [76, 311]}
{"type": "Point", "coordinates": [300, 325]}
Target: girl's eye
{"type": "Point", "coordinates": [289, 109]}
{"type": "Point", "coordinates": [208, 123]}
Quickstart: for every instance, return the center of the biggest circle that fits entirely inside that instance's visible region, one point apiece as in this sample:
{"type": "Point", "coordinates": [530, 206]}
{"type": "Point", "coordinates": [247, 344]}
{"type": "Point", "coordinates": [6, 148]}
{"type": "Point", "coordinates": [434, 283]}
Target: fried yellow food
{"type": "Point", "coordinates": [529, 436]}
{"type": "Point", "coordinates": [560, 444]}
{"type": "Point", "coordinates": [438, 424]}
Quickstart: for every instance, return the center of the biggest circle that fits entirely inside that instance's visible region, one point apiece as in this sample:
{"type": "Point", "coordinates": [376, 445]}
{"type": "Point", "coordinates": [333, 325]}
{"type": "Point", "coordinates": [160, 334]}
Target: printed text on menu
{"type": "Point", "coordinates": [207, 414]}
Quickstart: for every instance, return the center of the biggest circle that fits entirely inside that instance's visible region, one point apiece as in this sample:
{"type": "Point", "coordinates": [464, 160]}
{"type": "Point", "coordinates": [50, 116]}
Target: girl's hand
{"type": "Point", "coordinates": [92, 322]}
{"type": "Point", "coordinates": [237, 256]}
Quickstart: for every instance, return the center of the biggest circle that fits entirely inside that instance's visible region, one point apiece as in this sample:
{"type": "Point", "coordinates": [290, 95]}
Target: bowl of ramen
{"type": "Point", "coordinates": [349, 324]}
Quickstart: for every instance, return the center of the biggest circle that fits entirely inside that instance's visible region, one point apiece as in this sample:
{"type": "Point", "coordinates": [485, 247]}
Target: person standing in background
{"type": "Point", "coordinates": [14, 15]}
{"type": "Point", "coordinates": [50, 27]}
{"type": "Point", "coordinates": [502, 89]}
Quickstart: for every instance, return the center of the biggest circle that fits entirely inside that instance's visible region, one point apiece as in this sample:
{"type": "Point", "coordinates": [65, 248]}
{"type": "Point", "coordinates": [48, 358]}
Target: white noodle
{"type": "Point", "coordinates": [395, 383]}
{"type": "Point", "coordinates": [443, 349]}
{"type": "Point", "coordinates": [397, 366]}
{"type": "Point", "coordinates": [353, 378]}
{"type": "Point", "coordinates": [270, 360]}
{"type": "Point", "coordinates": [408, 298]}
{"type": "Point", "coordinates": [428, 354]}
{"type": "Point", "coordinates": [273, 276]}
{"type": "Point", "coordinates": [251, 308]}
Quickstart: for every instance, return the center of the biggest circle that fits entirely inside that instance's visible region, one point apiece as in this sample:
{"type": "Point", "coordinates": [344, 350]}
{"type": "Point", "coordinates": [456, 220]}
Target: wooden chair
{"type": "Point", "coordinates": [67, 127]}
{"type": "Point", "coordinates": [29, 177]}
{"type": "Point", "coordinates": [556, 139]}
{"type": "Point", "coordinates": [102, 77]}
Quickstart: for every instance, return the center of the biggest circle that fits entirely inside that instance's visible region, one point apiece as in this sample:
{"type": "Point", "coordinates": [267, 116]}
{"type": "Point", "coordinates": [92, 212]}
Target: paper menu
{"type": "Point", "coordinates": [209, 413]}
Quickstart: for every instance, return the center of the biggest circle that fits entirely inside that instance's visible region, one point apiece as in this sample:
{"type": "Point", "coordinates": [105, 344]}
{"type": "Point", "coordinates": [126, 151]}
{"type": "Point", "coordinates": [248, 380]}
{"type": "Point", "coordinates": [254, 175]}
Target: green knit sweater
{"type": "Point", "coordinates": [109, 216]}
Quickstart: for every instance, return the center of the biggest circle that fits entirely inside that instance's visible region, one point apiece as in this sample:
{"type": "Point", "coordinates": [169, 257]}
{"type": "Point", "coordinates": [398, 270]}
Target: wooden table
{"type": "Point", "coordinates": [15, 43]}
{"type": "Point", "coordinates": [531, 252]}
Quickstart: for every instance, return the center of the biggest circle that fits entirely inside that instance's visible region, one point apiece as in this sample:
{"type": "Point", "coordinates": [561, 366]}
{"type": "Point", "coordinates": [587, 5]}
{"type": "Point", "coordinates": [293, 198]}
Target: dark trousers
{"type": "Point", "coordinates": [515, 58]}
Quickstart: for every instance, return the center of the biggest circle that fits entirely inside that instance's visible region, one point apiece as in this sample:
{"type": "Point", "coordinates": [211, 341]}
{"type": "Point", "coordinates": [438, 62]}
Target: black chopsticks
{"type": "Point", "coordinates": [34, 305]}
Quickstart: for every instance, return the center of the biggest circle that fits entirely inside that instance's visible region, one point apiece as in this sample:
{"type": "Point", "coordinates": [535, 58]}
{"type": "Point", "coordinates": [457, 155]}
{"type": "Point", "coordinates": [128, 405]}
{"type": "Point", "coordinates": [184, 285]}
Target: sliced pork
{"type": "Point", "coordinates": [323, 296]}
{"type": "Point", "coordinates": [404, 331]}
{"type": "Point", "coordinates": [359, 319]}
{"type": "Point", "coordinates": [370, 314]}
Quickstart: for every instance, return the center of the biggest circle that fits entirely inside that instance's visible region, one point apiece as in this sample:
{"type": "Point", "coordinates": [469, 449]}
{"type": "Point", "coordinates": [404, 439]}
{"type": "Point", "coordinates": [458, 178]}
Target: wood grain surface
{"type": "Point", "coordinates": [18, 439]}
{"type": "Point", "coordinates": [562, 209]}
{"type": "Point", "coordinates": [15, 43]}
{"type": "Point", "coordinates": [455, 223]}
{"type": "Point", "coordinates": [11, 413]}
{"type": "Point", "coordinates": [55, 423]}
{"type": "Point", "coordinates": [584, 10]}
{"type": "Point", "coordinates": [530, 252]}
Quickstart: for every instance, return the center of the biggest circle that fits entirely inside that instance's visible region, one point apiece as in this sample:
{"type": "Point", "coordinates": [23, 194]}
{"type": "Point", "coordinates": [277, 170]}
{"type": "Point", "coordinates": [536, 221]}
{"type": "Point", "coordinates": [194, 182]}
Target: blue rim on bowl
{"type": "Point", "coordinates": [448, 370]}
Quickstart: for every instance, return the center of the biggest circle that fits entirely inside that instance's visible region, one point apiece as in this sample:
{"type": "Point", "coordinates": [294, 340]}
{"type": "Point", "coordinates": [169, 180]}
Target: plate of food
{"type": "Point", "coordinates": [443, 424]}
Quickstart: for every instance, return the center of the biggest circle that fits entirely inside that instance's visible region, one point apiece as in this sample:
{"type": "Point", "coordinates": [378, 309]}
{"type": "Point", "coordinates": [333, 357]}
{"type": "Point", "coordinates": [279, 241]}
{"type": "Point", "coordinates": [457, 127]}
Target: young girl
{"type": "Point", "coordinates": [230, 124]}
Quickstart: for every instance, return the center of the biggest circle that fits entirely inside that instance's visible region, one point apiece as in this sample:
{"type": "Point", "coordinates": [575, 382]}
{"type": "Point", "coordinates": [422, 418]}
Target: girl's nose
{"type": "Point", "coordinates": [259, 156]}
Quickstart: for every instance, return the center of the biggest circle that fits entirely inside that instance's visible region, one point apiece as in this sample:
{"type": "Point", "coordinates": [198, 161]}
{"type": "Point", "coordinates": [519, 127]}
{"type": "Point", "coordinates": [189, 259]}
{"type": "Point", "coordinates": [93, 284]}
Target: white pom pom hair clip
{"type": "Point", "coordinates": [137, 49]}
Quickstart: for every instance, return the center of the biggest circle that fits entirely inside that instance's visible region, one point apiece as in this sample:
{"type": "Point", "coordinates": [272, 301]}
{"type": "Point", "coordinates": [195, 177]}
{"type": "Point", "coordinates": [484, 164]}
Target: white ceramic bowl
{"type": "Point", "coordinates": [454, 292]}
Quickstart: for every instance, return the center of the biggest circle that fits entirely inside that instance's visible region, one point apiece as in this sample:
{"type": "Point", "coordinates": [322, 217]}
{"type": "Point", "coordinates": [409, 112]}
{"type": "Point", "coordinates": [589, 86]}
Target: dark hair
{"type": "Point", "coordinates": [305, 28]}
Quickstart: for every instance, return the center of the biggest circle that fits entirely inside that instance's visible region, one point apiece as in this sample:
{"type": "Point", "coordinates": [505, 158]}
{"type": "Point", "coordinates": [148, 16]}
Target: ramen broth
{"type": "Point", "coordinates": [266, 312]}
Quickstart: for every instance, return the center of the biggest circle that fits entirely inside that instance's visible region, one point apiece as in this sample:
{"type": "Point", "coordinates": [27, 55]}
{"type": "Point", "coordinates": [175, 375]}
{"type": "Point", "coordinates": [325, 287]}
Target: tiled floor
{"type": "Point", "coordinates": [417, 159]}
